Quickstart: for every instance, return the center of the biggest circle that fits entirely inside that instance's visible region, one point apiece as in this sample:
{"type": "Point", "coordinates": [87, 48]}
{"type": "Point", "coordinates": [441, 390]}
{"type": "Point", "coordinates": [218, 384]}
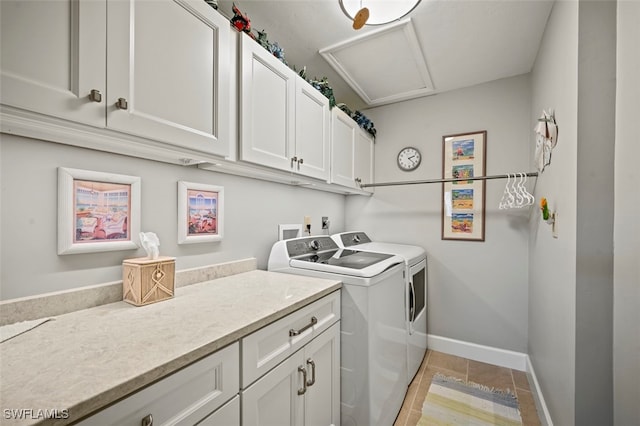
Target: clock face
{"type": "Point", "coordinates": [409, 158]}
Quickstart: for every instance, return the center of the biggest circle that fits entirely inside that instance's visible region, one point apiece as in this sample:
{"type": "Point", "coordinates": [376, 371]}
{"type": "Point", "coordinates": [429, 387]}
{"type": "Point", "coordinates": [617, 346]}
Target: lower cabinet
{"type": "Point", "coordinates": [184, 398]}
{"type": "Point", "coordinates": [290, 376]}
{"type": "Point", "coordinates": [303, 390]}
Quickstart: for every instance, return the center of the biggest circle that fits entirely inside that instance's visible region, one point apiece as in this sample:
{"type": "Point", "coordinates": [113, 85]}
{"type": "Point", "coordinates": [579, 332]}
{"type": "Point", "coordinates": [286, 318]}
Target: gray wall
{"type": "Point", "coordinates": [28, 178]}
{"type": "Point", "coordinates": [570, 287]}
{"type": "Point", "coordinates": [626, 331]}
{"type": "Point", "coordinates": [552, 265]}
{"type": "Point", "coordinates": [594, 243]}
{"type": "Point", "coordinates": [477, 290]}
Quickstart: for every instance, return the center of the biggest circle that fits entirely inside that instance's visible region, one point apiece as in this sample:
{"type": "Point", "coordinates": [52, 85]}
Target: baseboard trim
{"type": "Point", "coordinates": [496, 356]}
{"type": "Point", "coordinates": [476, 352]}
{"type": "Point", "coordinates": [542, 405]}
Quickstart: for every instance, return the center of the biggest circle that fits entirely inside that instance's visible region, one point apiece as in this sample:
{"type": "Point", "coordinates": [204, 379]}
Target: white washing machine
{"type": "Point", "coordinates": [415, 259]}
{"type": "Point", "coordinates": [373, 364]}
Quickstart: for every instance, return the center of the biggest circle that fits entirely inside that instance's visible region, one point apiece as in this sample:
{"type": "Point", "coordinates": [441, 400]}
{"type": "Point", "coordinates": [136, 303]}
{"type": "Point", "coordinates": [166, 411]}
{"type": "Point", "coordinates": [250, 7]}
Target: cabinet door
{"type": "Point", "coordinates": [169, 61]}
{"type": "Point", "coordinates": [342, 148]}
{"type": "Point", "coordinates": [267, 89]}
{"type": "Point", "coordinates": [363, 158]}
{"type": "Point", "coordinates": [273, 400]}
{"type": "Point", "coordinates": [53, 55]}
{"type": "Point", "coordinates": [227, 415]}
{"type": "Point", "coordinates": [312, 131]}
{"type": "Point", "coordinates": [322, 399]}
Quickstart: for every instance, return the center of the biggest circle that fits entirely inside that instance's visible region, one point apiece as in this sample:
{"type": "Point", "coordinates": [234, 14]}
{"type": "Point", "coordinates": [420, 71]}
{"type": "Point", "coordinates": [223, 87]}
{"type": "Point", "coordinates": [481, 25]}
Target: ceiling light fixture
{"type": "Point", "coordinates": [376, 12]}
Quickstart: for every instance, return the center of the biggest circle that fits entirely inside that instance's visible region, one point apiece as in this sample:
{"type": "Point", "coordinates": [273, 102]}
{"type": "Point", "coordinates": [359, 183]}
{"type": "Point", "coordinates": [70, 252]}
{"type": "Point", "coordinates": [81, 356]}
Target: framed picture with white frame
{"type": "Point", "coordinates": [200, 213]}
{"type": "Point", "coordinates": [97, 211]}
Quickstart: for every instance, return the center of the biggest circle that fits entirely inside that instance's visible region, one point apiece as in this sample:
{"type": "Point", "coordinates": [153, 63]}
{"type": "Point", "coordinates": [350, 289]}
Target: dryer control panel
{"type": "Point", "coordinates": [354, 238]}
{"type": "Point", "coordinates": [309, 245]}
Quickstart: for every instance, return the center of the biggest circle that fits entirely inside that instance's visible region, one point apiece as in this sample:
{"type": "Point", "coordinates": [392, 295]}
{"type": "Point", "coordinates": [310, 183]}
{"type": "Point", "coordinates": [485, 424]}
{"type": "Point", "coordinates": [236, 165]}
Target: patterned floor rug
{"type": "Point", "coordinates": [450, 401]}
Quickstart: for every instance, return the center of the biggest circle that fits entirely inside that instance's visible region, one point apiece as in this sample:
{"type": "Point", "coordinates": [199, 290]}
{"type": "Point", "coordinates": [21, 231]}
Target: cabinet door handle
{"type": "Point", "coordinates": [300, 161]}
{"type": "Point", "coordinates": [95, 96]}
{"type": "Point", "coordinates": [294, 160]}
{"type": "Point", "coordinates": [122, 104]}
{"type": "Point", "coordinates": [313, 322]}
{"type": "Point", "coordinates": [304, 380]}
{"type": "Point", "coordinates": [147, 420]}
{"type": "Point", "coordinates": [313, 372]}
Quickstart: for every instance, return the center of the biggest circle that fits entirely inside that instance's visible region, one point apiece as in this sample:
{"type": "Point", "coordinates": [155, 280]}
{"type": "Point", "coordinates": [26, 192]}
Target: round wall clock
{"type": "Point", "coordinates": [409, 158]}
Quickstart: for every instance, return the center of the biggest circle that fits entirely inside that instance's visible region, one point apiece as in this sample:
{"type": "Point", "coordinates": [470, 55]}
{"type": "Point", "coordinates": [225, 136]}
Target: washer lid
{"type": "Point", "coordinates": [347, 262]}
{"type": "Point", "coordinates": [345, 258]}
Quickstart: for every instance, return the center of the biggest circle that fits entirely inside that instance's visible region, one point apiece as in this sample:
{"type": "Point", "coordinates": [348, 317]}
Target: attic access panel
{"type": "Point", "coordinates": [383, 66]}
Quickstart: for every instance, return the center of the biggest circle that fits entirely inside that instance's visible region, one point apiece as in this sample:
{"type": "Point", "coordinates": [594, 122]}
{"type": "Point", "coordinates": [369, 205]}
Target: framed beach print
{"type": "Point", "coordinates": [463, 212]}
{"type": "Point", "coordinates": [97, 211]}
{"type": "Point", "coordinates": [200, 213]}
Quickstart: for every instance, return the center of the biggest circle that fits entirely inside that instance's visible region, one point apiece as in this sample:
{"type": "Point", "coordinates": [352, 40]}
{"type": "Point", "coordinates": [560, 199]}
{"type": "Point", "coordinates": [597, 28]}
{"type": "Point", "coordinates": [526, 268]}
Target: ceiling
{"type": "Point", "coordinates": [462, 42]}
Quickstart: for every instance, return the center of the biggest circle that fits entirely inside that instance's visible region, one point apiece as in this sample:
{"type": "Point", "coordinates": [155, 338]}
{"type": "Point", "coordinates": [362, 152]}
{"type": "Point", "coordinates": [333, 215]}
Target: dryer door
{"type": "Point", "coordinates": [417, 316]}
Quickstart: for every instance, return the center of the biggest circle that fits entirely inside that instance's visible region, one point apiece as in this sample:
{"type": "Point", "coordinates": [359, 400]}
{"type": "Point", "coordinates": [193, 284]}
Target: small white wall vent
{"type": "Point", "coordinates": [364, 62]}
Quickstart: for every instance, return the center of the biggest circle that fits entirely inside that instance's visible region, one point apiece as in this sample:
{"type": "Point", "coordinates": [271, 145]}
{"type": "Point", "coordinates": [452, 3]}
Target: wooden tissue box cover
{"type": "Point", "coordinates": [147, 280]}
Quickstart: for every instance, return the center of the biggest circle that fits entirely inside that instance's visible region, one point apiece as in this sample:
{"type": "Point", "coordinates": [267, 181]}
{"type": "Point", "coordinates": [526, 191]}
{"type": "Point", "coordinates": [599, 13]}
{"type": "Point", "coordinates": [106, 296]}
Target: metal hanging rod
{"type": "Point", "coordinates": [418, 182]}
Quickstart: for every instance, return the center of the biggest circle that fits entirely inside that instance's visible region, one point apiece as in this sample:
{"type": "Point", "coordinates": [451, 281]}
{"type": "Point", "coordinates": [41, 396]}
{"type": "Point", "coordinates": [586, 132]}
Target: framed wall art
{"type": "Point", "coordinates": [97, 211]}
{"type": "Point", "coordinates": [463, 201]}
{"type": "Point", "coordinates": [200, 213]}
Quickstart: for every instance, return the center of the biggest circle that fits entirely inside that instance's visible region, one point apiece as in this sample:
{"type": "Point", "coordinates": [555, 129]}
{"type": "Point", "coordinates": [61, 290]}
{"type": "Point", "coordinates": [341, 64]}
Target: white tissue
{"type": "Point", "coordinates": [150, 243]}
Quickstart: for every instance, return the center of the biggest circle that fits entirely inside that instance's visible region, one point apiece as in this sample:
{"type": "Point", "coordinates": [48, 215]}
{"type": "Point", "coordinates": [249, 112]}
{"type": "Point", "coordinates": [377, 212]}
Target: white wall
{"type": "Point", "coordinates": [30, 265]}
{"type": "Point", "coordinates": [477, 290]}
{"type": "Point", "coordinates": [626, 337]}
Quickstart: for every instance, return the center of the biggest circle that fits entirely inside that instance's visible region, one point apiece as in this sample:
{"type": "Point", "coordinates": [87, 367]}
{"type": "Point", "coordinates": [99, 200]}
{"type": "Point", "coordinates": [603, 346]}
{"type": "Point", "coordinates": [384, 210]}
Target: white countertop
{"type": "Point", "coordinates": [85, 360]}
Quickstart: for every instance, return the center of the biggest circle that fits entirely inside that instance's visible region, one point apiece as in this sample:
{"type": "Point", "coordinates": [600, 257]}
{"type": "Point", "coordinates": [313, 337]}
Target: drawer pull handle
{"type": "Point", "coordinates": [147, 420]}
{"type": "Point", "coordinates": [313, 322]}
{"type": "Point", "coordinates": [304, 380]}
{"type": "Point", "coordinates": [313, 372]}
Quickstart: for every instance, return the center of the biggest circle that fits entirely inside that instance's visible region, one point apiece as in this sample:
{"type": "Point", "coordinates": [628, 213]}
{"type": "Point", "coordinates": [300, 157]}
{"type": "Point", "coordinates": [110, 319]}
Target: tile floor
{"type": "Point", "coordinates": [470, 371]}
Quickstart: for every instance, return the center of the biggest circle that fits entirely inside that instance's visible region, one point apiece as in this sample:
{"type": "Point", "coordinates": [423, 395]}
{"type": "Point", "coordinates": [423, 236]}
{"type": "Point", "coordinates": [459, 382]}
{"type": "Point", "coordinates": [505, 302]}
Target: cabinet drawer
{"type": "Point", "coordinates": [183, 398]}
{"type": "Point", "coordinates": [227, 415]}
{"type": "Point", "coordinates": [264, 349]}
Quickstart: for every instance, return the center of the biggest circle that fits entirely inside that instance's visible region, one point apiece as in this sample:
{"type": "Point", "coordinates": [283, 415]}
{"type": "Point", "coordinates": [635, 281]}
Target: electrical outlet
{"type": "Point", "coordinates": [325, 222]}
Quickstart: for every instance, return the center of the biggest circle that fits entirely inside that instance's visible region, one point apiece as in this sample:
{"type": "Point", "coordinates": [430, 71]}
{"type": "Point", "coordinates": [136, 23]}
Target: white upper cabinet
{"type": "Point", "coordinates": [363, 158]}
{"type": "Point", "coordinates": [267, 98]}
{"type": "Point", "coordinates": [158, 70]}
{"type": "Point", "coordinates": [168, 72]}
{"type": "Point", "coordinates": [313, 120]}
{"type": "Point", "coordinates": [284, 120]}
{"type": "Point", "coordinates": [351, 152]}
{"type": "Point", "coordinates": [53, 57]}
